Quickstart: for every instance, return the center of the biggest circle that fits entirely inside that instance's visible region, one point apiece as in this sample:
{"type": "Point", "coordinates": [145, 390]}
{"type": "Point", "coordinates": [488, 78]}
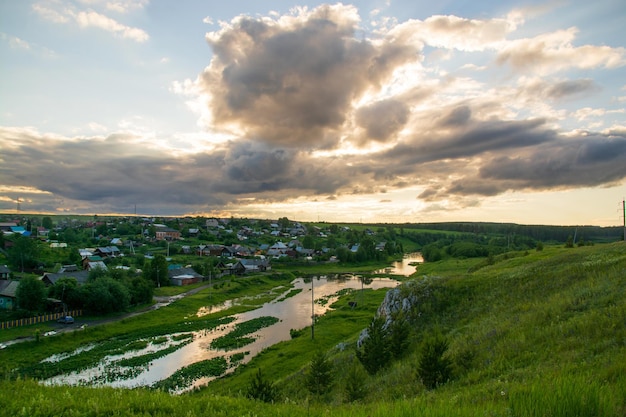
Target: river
{"type": "Point", "coordinates": [294, 312]}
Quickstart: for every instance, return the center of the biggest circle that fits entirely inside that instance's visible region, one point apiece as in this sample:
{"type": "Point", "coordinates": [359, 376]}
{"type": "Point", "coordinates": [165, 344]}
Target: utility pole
{"type": "Point", "coordinates": [624, 217]}
{"type": "Point", "coordinates": [312, 311]}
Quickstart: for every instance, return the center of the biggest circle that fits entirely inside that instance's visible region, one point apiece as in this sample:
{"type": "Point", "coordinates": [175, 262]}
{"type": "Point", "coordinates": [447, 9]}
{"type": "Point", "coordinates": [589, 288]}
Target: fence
{"type": "Point", "coordinates": [39, 319]}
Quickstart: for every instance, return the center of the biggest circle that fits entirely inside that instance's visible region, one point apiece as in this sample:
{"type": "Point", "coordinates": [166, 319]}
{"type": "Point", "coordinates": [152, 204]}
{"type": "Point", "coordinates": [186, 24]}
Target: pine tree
{"type": "Point", "coordinates": [374, 353]}
{"type": "Point", "coordinates": [320, 376]}
{"type": "Point", "coordinates": [434, 368]}
{"type": "Point", "coordinates": [261, 389]}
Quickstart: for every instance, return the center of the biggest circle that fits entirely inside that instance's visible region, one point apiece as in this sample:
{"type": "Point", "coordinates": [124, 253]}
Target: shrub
{"type": "Point", "coordinates": [261, 389]}
{"type": "Point", "coordinates": [434, 368]}
{"type": "Point", "coordinates": [320, 376]}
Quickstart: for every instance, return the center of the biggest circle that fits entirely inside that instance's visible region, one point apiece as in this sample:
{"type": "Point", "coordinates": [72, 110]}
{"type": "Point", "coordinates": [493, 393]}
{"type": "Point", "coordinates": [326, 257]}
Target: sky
{"type": "Point", "coordinates": [373, 111]}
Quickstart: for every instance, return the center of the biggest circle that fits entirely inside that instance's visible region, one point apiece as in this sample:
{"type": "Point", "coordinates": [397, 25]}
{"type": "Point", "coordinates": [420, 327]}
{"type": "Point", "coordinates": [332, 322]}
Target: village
{"type": "Point", "coordinates": [194, 249]}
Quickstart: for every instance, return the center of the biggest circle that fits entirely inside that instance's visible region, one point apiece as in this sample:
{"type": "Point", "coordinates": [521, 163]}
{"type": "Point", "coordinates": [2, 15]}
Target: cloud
{"type": "Point", "coordinates": [553, 52]}
{"type": "Point", "coordinates": [306, 106]}
{"type": "Point", "coordinates": [544, 89]}
{"type": "Point", "coordinates": [293, 81]}
{"type": "Point", "coordinates": [383, 118]}
{"type": "Point", "coordinates": [59, 12]}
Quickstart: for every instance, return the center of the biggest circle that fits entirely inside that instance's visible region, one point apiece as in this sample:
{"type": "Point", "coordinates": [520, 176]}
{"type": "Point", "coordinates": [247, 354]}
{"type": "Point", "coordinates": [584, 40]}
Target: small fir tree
{"type": "Point", "coordinates": [434, 368]}
{"type": "Point", "coordinates": [320, 376]}
{"type": "Point", "coordinates": [261, 389]}
{"type": "Point", "coordinates": [374, 353]}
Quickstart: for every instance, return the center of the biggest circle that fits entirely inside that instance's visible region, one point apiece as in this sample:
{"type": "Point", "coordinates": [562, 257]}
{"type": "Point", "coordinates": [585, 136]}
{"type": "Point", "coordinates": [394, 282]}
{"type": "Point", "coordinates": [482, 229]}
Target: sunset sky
{"type": "Point", "coordinates": [371, 111]}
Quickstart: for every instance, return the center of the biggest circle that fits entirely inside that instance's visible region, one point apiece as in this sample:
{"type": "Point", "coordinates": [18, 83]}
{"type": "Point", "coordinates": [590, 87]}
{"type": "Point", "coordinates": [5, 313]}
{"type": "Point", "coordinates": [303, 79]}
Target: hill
{"type": "Point", "coordinates": [529, 333]}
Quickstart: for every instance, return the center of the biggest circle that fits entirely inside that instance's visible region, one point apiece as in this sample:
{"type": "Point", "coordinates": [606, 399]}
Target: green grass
{"type": "Point", "coordinates": [530, 334]}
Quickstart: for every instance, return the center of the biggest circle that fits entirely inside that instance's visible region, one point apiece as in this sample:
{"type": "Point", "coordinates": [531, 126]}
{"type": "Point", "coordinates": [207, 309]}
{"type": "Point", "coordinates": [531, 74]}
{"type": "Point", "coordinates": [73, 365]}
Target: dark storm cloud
{"type": "Point", "coordinates": [383, 119]}
{"type": "Point", "coordinates": [292, 84]}
{"type": "Point", "coordinates": [472, 140]}
{"type": "Point", "coordinates": [584, 161]}
{"type": "Point", "coordinates": [587, 161]}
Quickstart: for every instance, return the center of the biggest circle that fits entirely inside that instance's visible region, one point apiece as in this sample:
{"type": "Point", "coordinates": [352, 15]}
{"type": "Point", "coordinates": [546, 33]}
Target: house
{"type": "Point", "coordinates": [167, 233]}
{"type": "Point", "coordinates": [212, 223]}
{"type": "Point", "coordinates": [8, 290]}
{"type": "Point", "coordinates": [183, 276]}
{"type": "Point", "coordinates": [193, 232]}
{"type": "Point", "coordinates": [91, 259]}
{"type": "Point", "coordinates": [107, 252]}
{"type": "Point", "coordinates": [97, 264]}
{"type": "Point", "coordinates": [6, 226]}
{"type": "Point", "coordinates": [49, 278]}
{"type": "Point", "coordinates": [254, 265]}
{"type": "Point", "coordinates": [116, 241]}
{"type": "Point", "coordinates": [5, 272]}
{"type": "Point", "coordinates": [230, 269]}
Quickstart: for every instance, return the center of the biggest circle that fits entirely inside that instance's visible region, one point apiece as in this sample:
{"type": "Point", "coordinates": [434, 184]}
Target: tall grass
{"type": "Point", "coordinates": [533, 334]}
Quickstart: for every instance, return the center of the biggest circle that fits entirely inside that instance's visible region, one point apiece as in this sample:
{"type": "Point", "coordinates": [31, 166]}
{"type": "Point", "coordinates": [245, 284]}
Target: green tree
{"type": "Point", "coordinates": [105, 295]}
{"type": "Point", "coordinates": [261, 389]}
{"type": "Point", "coordinates": [157, 271]}
{"type": "Point", "coordinates": [320, 376]}
{"type": "Point", "coordinates": [354, 383]}
{"type": "Point", "coordinates": [308, 242]}
{"type": "Point", "coordinates": [284, 223]}
{"type": "Point", "coordinates": [141, 291]}
{"type": "Point", "coordinates": [97, 273]}
{"type": "Point", "coordinates": [434, 367]}
{"type": "Point", "coordinates": [374, 352]}
{"type": "Point", "coordinates": [66, 289]}
{"type": "Point", "coordinates": [31, 294]}
{"type": "Point", "coordinates": [47, 222]}
{"type": "Point", "coordinates": [399, 341]}
{"type": "Point", "coordinates": [24, 253]}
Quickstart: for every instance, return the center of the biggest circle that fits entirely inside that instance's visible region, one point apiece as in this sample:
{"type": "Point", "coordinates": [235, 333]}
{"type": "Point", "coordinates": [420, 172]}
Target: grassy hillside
{"type": "Point", "coordinates": [530, 334]}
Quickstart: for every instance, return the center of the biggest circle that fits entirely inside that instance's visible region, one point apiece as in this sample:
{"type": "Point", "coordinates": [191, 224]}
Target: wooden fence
{"type": "Point", "coordinates": [39, 319]}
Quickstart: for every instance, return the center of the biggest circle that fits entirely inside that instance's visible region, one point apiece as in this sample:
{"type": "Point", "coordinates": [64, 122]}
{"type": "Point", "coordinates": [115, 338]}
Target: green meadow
{"type": "Point", "coordinates": [533, 333]}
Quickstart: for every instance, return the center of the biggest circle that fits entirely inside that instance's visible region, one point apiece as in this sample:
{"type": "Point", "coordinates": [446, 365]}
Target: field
{"type": "Point", "coordinates": [533, 333]}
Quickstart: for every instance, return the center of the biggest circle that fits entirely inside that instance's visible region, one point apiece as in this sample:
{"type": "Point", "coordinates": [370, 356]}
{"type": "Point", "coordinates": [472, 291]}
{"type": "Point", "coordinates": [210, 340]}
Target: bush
{"type": "Point", "coordinates": [354, 383]}
{"type": "Point", "coordinates": [434, 368]}
{"type": "Point", "coordinates": [320, 376]}
{"type": "Point", "coordinates": [261, 389]}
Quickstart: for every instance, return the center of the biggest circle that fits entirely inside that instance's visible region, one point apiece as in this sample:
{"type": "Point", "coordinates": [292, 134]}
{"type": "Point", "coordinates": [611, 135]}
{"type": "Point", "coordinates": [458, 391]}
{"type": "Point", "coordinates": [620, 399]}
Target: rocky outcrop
{"type": "Point", "coordinates": [401, 301]}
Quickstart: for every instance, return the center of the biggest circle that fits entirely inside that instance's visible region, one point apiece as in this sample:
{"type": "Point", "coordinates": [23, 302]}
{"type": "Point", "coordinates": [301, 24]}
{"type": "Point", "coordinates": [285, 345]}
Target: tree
{"type": "Point", "coordinates": [157, 271]}
{"type": "Point", "coordinates": [31, 294]}
{"type": "Point", "coordinates": [66, 289]}
{"type": "Point", "coordinates": [46, 222]}
{"type": "Point", "coordinates": [24, 253]}
{"type": "Point", "coordinates": [320, 376]}
{"type": "Point", "coordinates": [308, 242]}
{"type": "Point", "coordinates": [434, 368]}
{"type": "Point", "coordinates": [374, 352]}
{"type": "Point", "coordinates": [261, 389]}
{"type": "Point", "coordinates": [97, 273]}
{"type": "Point", "coordinates": [399, 337]}
{"type": "Point", "coordinates": [354, 383]}
{"type": "Point", "coordinates": [105, 295]}
{"type": "Point", "coordinates": [141, 291]}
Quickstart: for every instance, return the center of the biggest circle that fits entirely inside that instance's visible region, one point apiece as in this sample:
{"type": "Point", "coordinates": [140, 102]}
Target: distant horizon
{"type": "Point", "coordinates": [138, 215]}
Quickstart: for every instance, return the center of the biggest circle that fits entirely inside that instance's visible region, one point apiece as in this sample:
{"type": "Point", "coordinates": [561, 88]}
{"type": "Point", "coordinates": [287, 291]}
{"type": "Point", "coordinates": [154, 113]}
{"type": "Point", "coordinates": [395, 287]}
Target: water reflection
{"type": "Point", "coordinates": [407, 266]}
{"type": "Point", "coordinates": [293, 312]}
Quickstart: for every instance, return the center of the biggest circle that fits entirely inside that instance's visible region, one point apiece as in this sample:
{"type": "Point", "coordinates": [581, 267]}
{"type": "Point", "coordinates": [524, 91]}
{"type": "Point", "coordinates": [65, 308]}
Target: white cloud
{"type": "Point", "coordinates": [66, 13]}
{"type": "Point", "coordinates": [14, 42]}
{"type": "Point", "coordinates": [552, 52]}
{"type": "Point", "coordinates": [91, 18]}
